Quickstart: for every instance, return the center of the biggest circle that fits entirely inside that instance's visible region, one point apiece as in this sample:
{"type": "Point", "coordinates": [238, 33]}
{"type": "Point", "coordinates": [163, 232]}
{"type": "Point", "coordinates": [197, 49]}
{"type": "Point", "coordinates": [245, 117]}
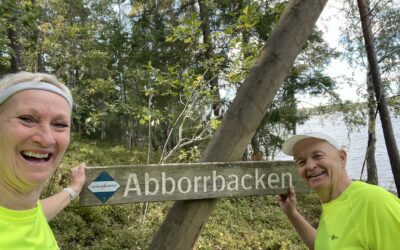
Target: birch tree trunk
{"type": "Point", "coordinates": [372, 173]}
{"type": "Point", "coordinates": [384, 114]}
{"type": "Point", "coordinates": [185, 220]}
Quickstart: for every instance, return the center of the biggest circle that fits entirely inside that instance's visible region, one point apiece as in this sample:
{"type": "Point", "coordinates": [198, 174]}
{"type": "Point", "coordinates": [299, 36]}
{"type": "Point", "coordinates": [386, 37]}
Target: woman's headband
{"type": "Point", "coordinates": [8, 92]}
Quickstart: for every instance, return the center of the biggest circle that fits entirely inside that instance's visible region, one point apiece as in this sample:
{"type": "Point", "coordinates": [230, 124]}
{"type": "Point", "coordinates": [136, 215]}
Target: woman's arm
{"type": "Point", "coordinates": [55, 204]}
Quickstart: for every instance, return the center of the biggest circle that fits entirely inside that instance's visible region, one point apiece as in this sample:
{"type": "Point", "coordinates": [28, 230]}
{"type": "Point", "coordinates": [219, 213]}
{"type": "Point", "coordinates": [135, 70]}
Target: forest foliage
{"type": "Point", "coordinates": [162, 72]}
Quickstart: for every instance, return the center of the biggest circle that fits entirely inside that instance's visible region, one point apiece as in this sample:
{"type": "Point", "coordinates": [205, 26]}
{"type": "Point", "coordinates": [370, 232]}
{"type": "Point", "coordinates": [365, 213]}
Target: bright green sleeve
{"type": "Point", "coordinates": [382, 221]}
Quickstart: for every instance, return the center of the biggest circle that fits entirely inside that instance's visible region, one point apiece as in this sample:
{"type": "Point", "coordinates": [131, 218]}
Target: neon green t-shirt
{"type": "Point", "coordinates": [364, 216]}
{"type": "Point", "coordinates": [25, 230]}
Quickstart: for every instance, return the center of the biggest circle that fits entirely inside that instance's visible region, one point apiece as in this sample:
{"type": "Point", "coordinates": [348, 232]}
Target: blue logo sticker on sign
{"type": "Point", "coordinates": [104, 186]}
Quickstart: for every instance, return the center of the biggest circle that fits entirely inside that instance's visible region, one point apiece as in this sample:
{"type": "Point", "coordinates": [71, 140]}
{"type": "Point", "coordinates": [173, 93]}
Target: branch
{"type": "Point", "coordinates": [200, 86]}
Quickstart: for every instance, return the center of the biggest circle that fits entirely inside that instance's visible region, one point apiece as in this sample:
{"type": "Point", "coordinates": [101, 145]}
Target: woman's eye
{"type": "Point", "coordinates": [26, 119]}
{"type": "Point", "coordinates": [61, 125]}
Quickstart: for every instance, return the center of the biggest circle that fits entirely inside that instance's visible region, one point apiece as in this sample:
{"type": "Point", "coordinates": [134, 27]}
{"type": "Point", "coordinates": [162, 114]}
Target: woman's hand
{"type": "Point", "coordinates": [54, 204]}
{"type": "Point", "coordinates": [78, 178]}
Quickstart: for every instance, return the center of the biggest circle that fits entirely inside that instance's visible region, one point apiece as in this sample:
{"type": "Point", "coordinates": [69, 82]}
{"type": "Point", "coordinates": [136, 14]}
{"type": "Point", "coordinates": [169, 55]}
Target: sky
{"type": "Point", "coordinates": [330, 22]}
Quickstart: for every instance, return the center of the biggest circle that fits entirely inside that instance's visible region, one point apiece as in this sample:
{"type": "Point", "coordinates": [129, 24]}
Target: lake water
{"type": "Point", "coordinates": [355, 144]}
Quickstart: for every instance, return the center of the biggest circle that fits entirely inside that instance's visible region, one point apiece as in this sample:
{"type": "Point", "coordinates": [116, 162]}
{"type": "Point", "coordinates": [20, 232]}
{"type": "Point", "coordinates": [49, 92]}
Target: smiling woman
{"type": "Point", "coordinates": [35, 118]}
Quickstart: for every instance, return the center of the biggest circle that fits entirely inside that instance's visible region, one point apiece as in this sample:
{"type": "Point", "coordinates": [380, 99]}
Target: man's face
{"type": "Point", "coordinates": [34, 134]}
{"type": "Point", "coordinates": [320, 164]}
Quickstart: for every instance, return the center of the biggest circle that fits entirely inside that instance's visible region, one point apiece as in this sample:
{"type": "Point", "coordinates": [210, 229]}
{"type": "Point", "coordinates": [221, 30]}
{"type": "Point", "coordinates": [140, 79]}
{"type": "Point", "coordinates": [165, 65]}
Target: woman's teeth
{"type": "Point", "coordinates": [29, 154]}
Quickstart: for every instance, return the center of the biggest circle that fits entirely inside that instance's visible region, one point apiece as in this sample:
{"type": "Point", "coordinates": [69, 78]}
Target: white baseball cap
{"type": "Point", "coordinates": [288, 145]}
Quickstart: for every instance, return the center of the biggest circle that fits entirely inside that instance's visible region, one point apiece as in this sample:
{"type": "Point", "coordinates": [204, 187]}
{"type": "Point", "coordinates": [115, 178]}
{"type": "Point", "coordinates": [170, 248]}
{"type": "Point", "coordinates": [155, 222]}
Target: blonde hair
{"type": "Point", "coordinates": [21, 77]}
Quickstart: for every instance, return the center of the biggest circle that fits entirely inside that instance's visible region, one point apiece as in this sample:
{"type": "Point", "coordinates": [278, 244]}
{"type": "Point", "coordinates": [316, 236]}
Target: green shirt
{"type": "Point", "coordinates": [25, 230]}
{"type": "Point", "coordinates": [364, 216]}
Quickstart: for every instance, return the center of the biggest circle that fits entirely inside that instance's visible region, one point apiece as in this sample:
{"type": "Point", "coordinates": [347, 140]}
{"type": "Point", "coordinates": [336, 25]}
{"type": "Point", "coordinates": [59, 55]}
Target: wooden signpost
{"type": "Point", "coordinates": [190, 181]}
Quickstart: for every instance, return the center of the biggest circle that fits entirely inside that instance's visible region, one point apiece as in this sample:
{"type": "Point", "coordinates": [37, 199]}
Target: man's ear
{"type": "Point", "coordinates": [343, 156]}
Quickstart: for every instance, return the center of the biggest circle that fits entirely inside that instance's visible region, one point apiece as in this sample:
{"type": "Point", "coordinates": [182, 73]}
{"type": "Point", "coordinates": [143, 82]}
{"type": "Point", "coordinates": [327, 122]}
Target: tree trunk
{"type": "Point", "coordinates": [210, 76]}
{"type": "Point", "coordinates": [372, 173]}
{"type": "Point", "coordinates": [257, 154]}
{"type": "Point", "coordinates": [39, 37]}
{"type": "Point", "coordinates": [40, 67]}
{"type": "Point", "coordinates": [384, 114]}
{"type": "Point", "coordinates": [185, 220]}
{"type": "Point", "coordinates": [16, 56]}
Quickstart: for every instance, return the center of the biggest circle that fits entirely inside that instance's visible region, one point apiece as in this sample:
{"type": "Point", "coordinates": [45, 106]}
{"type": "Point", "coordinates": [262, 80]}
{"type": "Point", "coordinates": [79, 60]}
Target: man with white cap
{"type": "Point", "coordinates": [355, 215]}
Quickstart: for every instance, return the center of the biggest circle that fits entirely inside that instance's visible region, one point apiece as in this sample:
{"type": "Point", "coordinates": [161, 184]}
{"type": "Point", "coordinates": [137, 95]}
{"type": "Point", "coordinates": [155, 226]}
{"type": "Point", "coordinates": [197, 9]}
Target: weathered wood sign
{"type": "Point", "coordinates": [142, 183]}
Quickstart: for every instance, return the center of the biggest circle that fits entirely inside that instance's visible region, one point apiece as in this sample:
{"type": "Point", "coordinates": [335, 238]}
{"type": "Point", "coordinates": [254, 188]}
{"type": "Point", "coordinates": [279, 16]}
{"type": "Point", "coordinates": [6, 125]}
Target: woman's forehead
{"type": "Point", "coordinates": [36, 100]}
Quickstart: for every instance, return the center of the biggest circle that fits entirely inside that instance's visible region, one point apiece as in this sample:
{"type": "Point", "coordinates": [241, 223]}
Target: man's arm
{"type": "Point", "coordinates": [381, 220]}
{"type": "Point", "coordinates": [288, 205]}
{"type": "Point", "coordinates": [56, 203]}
